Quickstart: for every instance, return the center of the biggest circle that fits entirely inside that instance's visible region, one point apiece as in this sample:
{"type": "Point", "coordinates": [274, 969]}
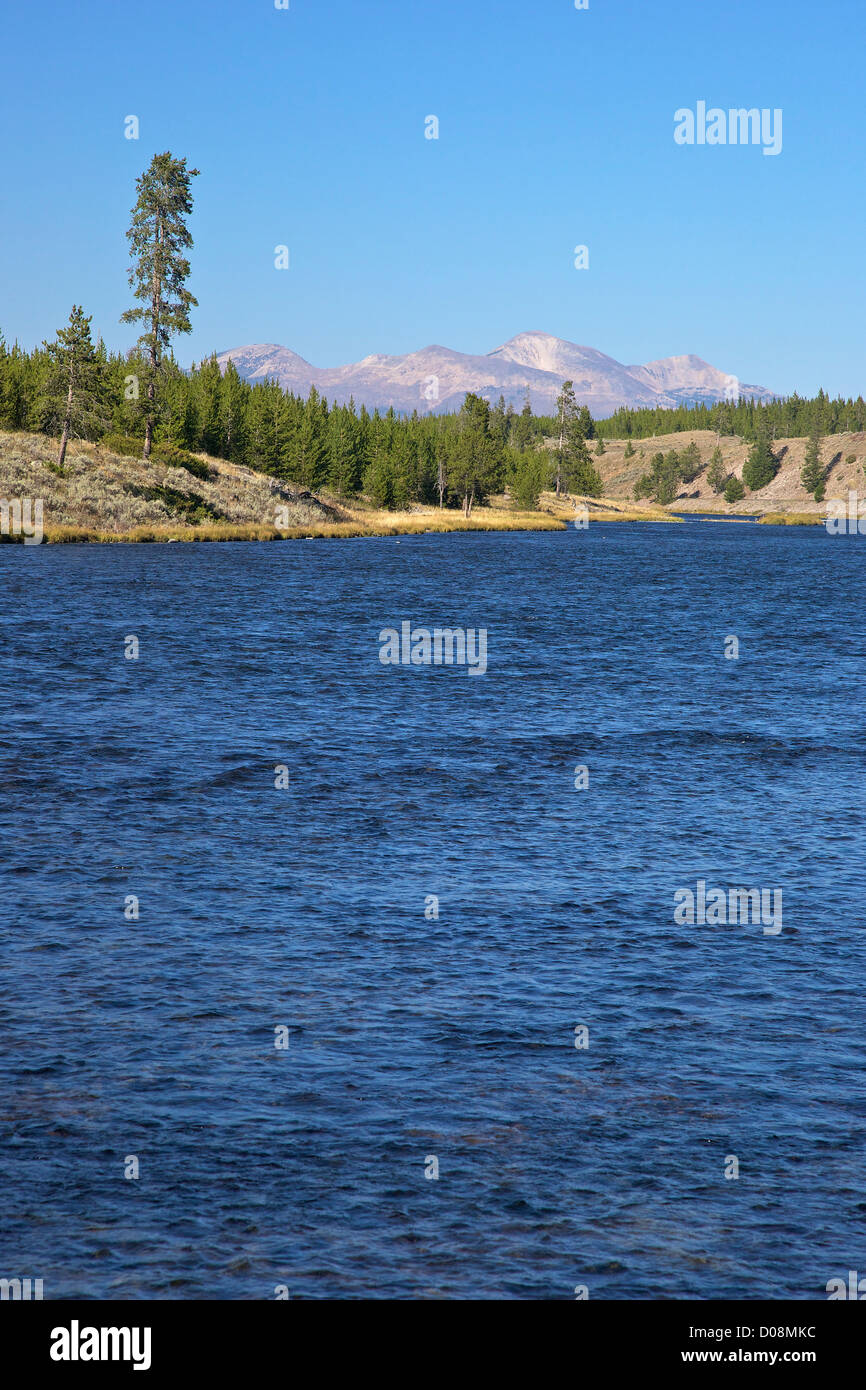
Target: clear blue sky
{"type": "Point", "coordinates": [556, 128]}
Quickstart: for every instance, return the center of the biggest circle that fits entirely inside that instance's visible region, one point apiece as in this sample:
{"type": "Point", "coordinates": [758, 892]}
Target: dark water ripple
{"type": "Point", "coordinates": [454, 1037]}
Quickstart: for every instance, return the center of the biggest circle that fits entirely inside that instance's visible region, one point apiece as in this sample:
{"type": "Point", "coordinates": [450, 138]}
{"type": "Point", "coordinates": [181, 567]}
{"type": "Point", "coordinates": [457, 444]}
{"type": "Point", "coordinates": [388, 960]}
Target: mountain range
{"type": "Point", "coordinates": [436, 379]}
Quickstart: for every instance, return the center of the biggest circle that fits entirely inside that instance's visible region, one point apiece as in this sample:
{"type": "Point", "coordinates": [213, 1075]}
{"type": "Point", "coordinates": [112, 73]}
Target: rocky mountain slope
{"type": "Point", "coordinates": [437, 378]}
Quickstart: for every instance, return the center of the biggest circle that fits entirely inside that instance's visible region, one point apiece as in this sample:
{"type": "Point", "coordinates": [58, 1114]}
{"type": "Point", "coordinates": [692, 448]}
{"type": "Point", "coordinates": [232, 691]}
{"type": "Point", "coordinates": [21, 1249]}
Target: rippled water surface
{"type": "Point", "coordinates": [454, 1037]}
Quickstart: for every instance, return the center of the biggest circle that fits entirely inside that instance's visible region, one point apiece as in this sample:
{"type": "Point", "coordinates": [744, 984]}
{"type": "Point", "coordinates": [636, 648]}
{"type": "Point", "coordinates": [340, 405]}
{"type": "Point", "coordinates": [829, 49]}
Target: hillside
{"type": "Point", "coordinates": [99, 490]}
{"type": "Point", "coordinates": [784, 494]}
{"type": "Point", "coordinates": [104, 496]}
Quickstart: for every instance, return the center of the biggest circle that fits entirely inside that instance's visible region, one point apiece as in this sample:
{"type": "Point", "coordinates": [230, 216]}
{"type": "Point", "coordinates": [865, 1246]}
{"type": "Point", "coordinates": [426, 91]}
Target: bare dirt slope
{"type": "Point", "coordinates": [784, 494]}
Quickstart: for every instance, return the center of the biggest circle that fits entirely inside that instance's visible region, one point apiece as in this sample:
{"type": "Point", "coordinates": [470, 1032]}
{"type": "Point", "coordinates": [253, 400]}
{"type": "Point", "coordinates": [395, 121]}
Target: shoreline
{"type": "Point", "coordinates": [358, 530]}
{"type": "Point", "coordinates": [402, 525]}
{"type": "Point", "coordinates": [253, 531]}
{"type": "Point", "coordinates": [103, 498]}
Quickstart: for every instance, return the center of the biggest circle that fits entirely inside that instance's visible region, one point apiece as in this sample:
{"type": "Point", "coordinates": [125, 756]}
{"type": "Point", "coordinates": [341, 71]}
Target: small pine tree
{"type": "Point", "coordinates": [234, 392]}
{"type": "Point", "coordinates": [599, 448]}
{"type": "Point", "coordinates": [668, 476]}
{"type": "Point", "coordinates": [734, 490]}
{"type": "Point", "coordinates": [717, 475]}
{"type": "Point", "coordinates": [629, 450]}
{"type": "Point", "coordinates": [527, 472]}
{"type": "Point", "coordinates": [523, 428]}
{"type": "Point", "coordinates": [690, 462]}
{"type": "Point", "coordinates": [583, 478]}
{"type": "Point", "coordinates": [379, 481]}
{"type": "Point", "coordinates": [74, 386]}
{"type": "Point", "coordinates": [476, 467]}
{"type": "Point", "coordinates": [661, 482]}
{"type": "Point", "coordinates": [762, 465]}
{"type": "Point", "coordinates": [812, 475]}
{"type": "Point", "coordinates": [310, 459]}
{"type": "Point", "coordinates": [207, 388]}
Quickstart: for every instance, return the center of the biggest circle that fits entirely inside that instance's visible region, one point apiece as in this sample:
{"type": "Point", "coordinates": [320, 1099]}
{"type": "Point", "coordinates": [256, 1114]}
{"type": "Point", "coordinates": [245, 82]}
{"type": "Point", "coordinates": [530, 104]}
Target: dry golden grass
{"type": "Point", "coordinates": [60, 535]}
{"type": "Point", "coordinates": [96, 495]}
{"type": "Point", "coordinates": [423, 519]}
{"type": "Point", "coordinates": [397, 525]}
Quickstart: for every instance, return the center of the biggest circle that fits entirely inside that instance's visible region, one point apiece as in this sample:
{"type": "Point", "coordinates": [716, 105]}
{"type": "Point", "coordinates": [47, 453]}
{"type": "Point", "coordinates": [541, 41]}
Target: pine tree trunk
{"type": "Point", "coordinates": [151, 397]}
{"type": "Point", "coordinates": [155, 309]}
{"type": "Point", "coordinates": [148, 428]}
{"type": "Point", "coordinates": [561, 445]}
{"type": "Point", "coordinates": [67, 425]}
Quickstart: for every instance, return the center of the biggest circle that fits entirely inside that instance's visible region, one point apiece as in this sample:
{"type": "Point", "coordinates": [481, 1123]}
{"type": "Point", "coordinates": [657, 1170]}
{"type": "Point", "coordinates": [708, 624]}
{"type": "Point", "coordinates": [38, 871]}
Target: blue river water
{"type": "Point", "coordinates": [413, 1040]}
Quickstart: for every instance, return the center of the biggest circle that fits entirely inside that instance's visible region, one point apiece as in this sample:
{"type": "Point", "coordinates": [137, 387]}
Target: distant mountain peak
{"type": "Point", "coordinates": [436, 378]}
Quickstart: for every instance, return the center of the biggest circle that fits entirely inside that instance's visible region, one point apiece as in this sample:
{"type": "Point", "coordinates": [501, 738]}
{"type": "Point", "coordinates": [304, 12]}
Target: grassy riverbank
{"type": "Point", "coordinates": [488, 519]}
{"type": "Point", "coordinates": [103, 497]}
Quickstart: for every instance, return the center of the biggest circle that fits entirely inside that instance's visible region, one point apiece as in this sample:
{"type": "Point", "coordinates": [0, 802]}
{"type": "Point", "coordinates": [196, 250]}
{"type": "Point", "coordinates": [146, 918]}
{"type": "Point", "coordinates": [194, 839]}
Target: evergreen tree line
{"type": "Point", "coordinates": [791, 417]}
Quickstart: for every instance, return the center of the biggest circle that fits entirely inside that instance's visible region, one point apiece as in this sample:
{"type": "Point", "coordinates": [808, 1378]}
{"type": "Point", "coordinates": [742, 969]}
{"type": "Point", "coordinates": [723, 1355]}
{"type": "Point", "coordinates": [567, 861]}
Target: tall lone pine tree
{"type": "Point", "coordinates": [158, 237]}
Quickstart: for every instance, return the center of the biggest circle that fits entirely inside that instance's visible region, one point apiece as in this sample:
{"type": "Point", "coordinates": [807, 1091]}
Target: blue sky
{"type": "Point", "coordinates": [556, 129]}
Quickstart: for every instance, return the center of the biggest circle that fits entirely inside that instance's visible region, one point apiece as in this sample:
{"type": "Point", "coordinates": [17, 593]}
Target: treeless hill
{"type": "Point", "coordinates": [784, 494]}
